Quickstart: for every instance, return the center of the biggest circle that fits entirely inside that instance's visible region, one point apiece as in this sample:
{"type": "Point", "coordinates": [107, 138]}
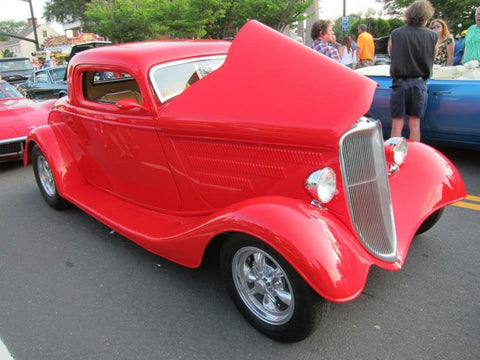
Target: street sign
{"type": "Point", "coordinates": [344, 23]}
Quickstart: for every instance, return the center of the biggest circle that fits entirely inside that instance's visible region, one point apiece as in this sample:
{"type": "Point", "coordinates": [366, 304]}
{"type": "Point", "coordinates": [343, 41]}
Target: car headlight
{"type": "Point", "coordinates": [321, 184]}
{"type": "Point", "coordinates": [396, 150]}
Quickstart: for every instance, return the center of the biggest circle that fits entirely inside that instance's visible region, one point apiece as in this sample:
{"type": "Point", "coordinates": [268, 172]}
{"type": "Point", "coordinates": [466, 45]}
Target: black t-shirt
{"type": "Point", "coordinates": [413, 50]}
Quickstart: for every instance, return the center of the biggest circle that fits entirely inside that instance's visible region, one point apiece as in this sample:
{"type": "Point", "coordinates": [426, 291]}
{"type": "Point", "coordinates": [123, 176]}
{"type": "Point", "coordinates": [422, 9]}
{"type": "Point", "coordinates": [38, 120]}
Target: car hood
{"type": "Point", "coordinates": [272, 88]}
{"type": "Point", "coordinates": [19, 116]}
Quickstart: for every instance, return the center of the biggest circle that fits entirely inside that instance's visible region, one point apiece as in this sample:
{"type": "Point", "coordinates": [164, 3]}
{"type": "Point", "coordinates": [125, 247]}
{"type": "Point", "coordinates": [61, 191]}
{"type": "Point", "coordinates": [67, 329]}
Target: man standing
{"type": "Point", "coordinates": [322, 34]}
{"type": "Point", "coordinates": [472, 40]}
{"type": "Point", "coordinates": [412, 49]}
{"type": "Point", "coordinates": [365, 47]}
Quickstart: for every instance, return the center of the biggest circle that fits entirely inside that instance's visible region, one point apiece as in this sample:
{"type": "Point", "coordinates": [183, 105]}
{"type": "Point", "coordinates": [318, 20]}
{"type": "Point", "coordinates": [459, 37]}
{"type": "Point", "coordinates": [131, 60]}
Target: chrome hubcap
{"type": "Point", "coordinates": [263, 285]}
{"type": "Point", "coordinates": [45, 175]}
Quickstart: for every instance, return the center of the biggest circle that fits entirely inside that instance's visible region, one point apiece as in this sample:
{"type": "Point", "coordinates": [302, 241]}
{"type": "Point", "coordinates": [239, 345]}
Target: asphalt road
{"type": "Point", "coordinates": [71, 289]}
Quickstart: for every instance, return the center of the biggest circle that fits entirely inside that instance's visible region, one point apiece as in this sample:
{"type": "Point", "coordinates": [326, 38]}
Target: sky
{"type": "Point", "coordinates": [330, 9]}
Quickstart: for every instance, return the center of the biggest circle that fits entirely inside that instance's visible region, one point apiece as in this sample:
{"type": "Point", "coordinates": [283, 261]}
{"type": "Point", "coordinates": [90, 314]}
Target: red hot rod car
{"type": "Point", "coordinates": [256, 146]}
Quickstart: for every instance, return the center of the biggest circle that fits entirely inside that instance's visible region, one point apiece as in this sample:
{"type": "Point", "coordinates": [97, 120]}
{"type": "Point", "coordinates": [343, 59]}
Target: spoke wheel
{"type": "Point", "coordinates": [46, 181]}
{"type": "Point", "coordinates": [263, 285]}
{"type": "Point", "coordinates": [267, 291]}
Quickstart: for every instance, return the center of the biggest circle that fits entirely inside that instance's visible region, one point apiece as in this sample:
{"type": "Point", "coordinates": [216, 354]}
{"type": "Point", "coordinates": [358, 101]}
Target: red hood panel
{"type": "Point", "coordinates": [270, 86]}
{"type": "Point", "coordinates": [19, 116]}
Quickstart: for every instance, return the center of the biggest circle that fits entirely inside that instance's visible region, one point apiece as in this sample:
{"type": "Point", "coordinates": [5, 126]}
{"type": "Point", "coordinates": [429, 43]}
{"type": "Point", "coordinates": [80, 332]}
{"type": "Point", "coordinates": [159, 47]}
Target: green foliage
{"type": "Point", "coordinates": [132, 20]}
{"type": "Point", "coordinates": [377, 27]}
{"type": "Point", "coordinates": [64, 10]}
{"type": "Point", "coordinates": [459, 14]}
{"type": "Point", "coordinates": [8, 53]}
{"type": "Point", "coordinates": [11, 27]}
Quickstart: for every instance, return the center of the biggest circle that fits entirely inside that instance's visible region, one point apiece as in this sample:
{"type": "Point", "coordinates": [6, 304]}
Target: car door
{"type": "Point", "coordinates": [41, 87]}
{"type": "Point", "coordinates": [117, 149]}
{"type": "Point", "coordinates": [453, 111]}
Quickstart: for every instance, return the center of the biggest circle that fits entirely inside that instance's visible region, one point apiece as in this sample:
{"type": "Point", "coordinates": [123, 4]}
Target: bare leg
{"type": "Point", "coordinates": [397, 126]}
{"type": "Point", "coordinates": [414, 125]}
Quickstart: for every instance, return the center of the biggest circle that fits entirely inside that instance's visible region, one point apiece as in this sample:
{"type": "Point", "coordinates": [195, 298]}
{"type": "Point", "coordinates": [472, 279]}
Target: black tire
{"type": "Point", "coordinates": [46, 181]}
{"type": "Point", "coordinates": [430, 222]}
{"type": "Point", "coordinates": [292, 316]}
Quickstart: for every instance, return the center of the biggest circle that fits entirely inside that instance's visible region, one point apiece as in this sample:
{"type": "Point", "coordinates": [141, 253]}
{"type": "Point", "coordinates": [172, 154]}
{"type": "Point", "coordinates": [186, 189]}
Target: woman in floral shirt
{"type": "Point", "coordinates": [445, 44]}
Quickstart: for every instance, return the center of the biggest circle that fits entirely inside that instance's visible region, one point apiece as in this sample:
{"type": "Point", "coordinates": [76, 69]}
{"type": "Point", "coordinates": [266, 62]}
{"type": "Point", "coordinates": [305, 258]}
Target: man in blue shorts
{"type": "Point", "coordinates": [412, 49]}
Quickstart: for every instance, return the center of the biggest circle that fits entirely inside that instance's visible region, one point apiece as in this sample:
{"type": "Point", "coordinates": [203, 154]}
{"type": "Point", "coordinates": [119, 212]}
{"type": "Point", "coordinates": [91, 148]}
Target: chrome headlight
{"type": "Point", "coordinates": [396, 150]}
{"type": "Point", "coordinates": [321, 184]}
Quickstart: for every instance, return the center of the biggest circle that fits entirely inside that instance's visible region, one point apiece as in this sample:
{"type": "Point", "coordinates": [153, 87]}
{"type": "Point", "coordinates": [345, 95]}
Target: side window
{"type": "Point", "coordinates": [58, 74]}
{"type": "Point", "coordinates": [170, 80]}
{"type": "Point", "coordinates": [42, 77]}
{"type": "Point", "coordinates": [110, 87]}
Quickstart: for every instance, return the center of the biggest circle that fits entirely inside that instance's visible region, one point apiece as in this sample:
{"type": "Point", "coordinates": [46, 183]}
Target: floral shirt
{"type": "Point", "coordinates": [442, 56]}
{"type": "Point", "coordinates": [323, 48]}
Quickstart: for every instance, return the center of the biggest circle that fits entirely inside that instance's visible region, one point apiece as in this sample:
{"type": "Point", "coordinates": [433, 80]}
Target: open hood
{"type": "Point", "coordinates": [274, 86]}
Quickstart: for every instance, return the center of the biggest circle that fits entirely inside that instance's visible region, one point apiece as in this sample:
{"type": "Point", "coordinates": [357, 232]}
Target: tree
{"type": "Point", "coordinates": [459, 14]}
{"type": "Point", "coordinates": [11, 27]}
{"type": "Point", "coordinates": [377, 27]}
{"type": "Point", "coordinates": [131, 20]}
{"type": "Point", "coordinates": [64, 10]}
{"type": "Point", "coordinates": [8, 53]}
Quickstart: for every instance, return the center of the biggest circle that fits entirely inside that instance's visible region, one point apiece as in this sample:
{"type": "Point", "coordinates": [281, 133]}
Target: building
{"type": "Point", "coordinates": [23, 48]}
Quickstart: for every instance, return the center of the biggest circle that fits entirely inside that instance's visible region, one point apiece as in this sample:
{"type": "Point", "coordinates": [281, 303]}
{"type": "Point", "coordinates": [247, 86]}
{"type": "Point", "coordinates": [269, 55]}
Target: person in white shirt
{"type": "Point", "coordinates": [347, 54]}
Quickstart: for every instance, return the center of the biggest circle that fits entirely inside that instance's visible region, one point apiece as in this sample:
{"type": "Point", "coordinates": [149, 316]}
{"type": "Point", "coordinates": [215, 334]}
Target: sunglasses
{"type": "Point", "coordinates": [436, 26]}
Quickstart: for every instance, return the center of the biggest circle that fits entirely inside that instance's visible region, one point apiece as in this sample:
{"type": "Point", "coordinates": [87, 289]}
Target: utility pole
{"type": "Point", "coordinates": [34, 25]}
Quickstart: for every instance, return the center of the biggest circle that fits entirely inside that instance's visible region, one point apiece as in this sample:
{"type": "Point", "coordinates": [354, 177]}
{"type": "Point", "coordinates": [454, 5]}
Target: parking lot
{"type": "Point", "coordinates": [70, 288]}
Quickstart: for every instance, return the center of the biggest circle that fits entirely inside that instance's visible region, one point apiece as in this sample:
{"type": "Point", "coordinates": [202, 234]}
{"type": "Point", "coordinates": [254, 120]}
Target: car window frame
{"type": "Point", "coordinates": [107, 107]}
{"type": "Point", "coordinates": [152, 71]}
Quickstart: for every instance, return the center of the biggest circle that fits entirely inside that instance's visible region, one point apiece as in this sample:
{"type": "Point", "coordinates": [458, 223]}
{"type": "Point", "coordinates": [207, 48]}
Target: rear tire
{"type": "Point", "coordinates": [46, 181]}
{"type": "Point", "coordinates": [268, 292]}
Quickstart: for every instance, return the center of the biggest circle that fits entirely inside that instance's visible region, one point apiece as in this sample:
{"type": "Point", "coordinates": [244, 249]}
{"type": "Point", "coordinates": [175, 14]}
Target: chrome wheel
{"type": "Point", "coordinates": [263, 285]}
{"type": "Point", "coordinates": [45, 176]}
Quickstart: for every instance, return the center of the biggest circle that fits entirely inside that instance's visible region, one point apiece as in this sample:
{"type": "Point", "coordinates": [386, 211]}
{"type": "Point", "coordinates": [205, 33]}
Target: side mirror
{"type": "Point", "coordinates": [127, 104]}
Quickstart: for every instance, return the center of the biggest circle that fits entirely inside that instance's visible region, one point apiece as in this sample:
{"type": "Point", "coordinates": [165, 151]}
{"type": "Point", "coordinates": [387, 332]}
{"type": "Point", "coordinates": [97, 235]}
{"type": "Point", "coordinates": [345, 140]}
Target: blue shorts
{"type": "Point", "coordinates": [409, 97]}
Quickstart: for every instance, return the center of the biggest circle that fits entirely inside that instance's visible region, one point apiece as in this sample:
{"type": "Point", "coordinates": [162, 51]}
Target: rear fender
{"type": "Point", "coordinates": [61, 163]}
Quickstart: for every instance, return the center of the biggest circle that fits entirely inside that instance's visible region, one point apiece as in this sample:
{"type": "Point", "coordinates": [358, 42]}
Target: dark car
{"type": "Point", "coordinates": [46, 83]}
{"type": "Point", "coordinates": [15, 70]}
{"type": "Point", "coordinates": [381, 51]}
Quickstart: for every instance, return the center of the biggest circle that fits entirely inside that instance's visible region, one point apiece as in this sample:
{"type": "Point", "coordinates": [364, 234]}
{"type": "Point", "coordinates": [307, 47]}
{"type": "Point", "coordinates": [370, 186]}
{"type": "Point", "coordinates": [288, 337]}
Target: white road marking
{"type": "Point", "coordinates": [4, 353]}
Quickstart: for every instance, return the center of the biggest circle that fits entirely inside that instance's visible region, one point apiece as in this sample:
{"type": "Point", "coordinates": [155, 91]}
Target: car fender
{"type": "Point", "coordinates": [62, 164]}
{"type": "Point", "coordinates": [315, 242]}
{"type": "Point", "coordinates": [436, 183]}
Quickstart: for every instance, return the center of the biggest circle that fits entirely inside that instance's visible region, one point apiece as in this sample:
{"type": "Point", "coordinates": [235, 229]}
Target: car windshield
{"type": "Point", "coordinates": [170, 80]}
{"type": "Point", "coordinates": [15, 64]}
{"type": "Point", "coordinates": [7, 91]}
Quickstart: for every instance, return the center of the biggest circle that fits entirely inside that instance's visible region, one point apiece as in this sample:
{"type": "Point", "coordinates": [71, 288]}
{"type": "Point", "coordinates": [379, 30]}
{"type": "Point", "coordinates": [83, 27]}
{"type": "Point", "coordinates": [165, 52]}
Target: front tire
{"type": "Point", "coordinates": [267, 290]}
{"type": "Point", "coordinates": [430, 221]}
{"type": "Point", "coordinates": [46, 181]}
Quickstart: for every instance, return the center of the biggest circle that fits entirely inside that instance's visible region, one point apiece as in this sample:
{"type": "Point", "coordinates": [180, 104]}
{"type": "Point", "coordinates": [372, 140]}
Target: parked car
{"type": "Point", "coordinates": [381, 51]}
{"type": "Point", "coordinates": [15, 70]}
{"type": "Point", "coordinates": [452, 116]}
{"type": "Point", "coordinates": [46, 83]}
{"type": "Point", "coordinates": [17, 117]}
{"type": "Point", "coordinates": [244, 147]}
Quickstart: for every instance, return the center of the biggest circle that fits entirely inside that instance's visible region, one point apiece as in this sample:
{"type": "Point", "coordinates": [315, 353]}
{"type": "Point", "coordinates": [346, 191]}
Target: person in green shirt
{"type": "Point", "coordinates": [472, 40]}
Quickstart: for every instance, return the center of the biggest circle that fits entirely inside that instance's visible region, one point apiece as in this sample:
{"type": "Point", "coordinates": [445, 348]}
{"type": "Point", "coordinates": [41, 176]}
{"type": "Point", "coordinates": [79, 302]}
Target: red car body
{"type": "Point", "coordinates": [18, 116]}
{"type": "Point", "coordinates": [231, 153]}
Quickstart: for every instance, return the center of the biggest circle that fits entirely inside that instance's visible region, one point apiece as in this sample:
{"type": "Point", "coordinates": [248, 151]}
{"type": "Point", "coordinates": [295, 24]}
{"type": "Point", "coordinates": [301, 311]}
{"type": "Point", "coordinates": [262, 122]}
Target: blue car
{"type": "Point", "coordinates": [452, 116]}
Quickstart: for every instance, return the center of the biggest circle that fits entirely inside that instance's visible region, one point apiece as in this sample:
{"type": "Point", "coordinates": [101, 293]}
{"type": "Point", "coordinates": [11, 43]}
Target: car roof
{"type": "Point", "coordinates": [148, 53]}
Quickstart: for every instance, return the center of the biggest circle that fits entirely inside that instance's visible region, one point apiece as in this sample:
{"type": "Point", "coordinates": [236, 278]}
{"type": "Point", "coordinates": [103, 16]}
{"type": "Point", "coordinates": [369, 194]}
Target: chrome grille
{"type": "Point", "coordinates": [365, 178]}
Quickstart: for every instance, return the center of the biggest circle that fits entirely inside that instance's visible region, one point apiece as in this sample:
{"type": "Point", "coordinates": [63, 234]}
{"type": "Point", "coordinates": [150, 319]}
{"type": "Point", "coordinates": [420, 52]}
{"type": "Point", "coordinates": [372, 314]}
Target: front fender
{"type": "Point", "coordinates": [316, 243]}
{"type": "Point", "coordinates": [426, 182]}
